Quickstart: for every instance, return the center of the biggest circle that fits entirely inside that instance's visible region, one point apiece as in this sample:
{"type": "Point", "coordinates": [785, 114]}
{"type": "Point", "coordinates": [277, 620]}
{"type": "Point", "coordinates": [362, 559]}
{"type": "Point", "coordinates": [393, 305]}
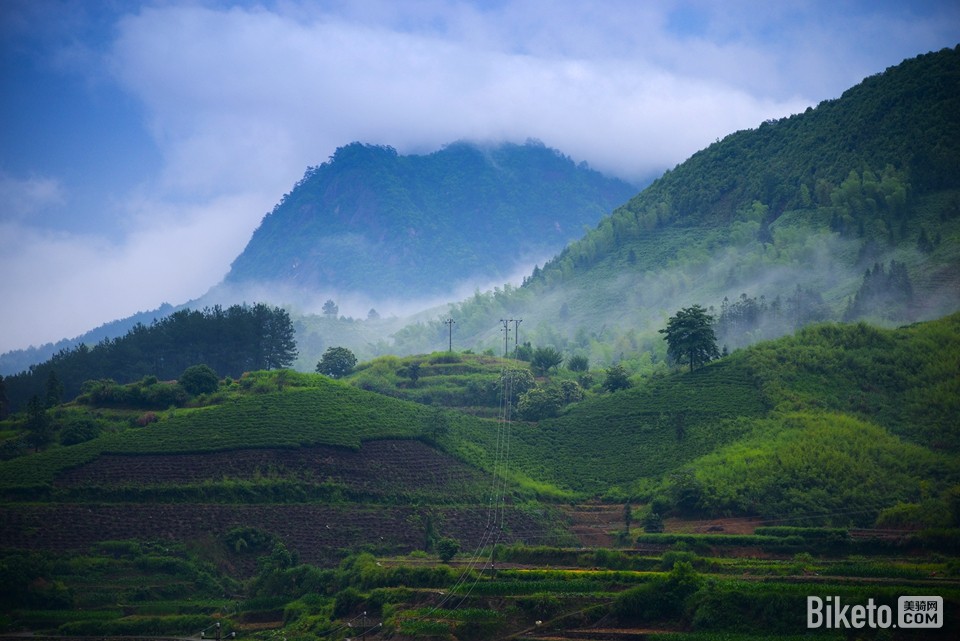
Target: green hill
{"type": "Point", "coordinates": [267, 499]}
{"type": "Point", "coordinates": [849, 210]}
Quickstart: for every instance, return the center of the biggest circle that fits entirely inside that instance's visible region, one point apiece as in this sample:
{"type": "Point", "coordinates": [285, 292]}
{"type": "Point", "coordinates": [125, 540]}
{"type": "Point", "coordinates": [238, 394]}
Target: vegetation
{"type": "Point", "coordinates": [230, 341]}
{"type": "Point", "coordinates": [465, 211]}
{"type": "Point", "coordinates": [461, 495]}
{"type": "Point", "coordinates": [337, 362]}
{"type": "Point", "coordinates": [690, 338]}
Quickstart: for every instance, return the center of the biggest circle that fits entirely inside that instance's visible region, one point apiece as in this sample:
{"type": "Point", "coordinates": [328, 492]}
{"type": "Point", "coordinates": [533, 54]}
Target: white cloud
{"type": "Point", "coordinates": [75, 282]}
{"type": "Point", "coordinates": [241, 95]}
{"type": "Point", "coordinates": [24, 198]}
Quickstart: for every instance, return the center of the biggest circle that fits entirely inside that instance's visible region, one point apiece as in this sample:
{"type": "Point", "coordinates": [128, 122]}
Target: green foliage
{"type": "Point", "coordinates": [663, 598]}
{"type": "Point", "coordinates": [578, 363]}
{"type": "Point", "coordinates": [79, 429]}
{"type": "Point", "coordinates": [816, 467]}
{"type": "Point", "coordinates": [616, 379]}
{"type": "Point", "coordinates": [199, 379]}
{"type": "Point", "coordinates": [231, 341]}
{"type": "Point", "coordinates": [545, 359]}
{"type": "Point", "coordinates": [337, 362]}
{"type": "Point", "coordinates": [539, 403]}
{"type": "Point", "coordinates": [690, 337]}
{"type": "Point", "coordinates": [447, 548]}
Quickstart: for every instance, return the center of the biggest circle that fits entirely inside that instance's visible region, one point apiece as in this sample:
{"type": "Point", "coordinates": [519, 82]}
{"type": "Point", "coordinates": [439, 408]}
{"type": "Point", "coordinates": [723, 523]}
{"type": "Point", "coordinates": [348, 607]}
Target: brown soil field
{"type": "Point", "coordinates": [319, 532]}
{"type": "Point", "coordinates": [387, 467]}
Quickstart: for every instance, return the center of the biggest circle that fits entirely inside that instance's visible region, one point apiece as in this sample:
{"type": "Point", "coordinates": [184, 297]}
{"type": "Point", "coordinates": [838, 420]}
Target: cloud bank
{"type": "Point", "coordinates": [236, 101]}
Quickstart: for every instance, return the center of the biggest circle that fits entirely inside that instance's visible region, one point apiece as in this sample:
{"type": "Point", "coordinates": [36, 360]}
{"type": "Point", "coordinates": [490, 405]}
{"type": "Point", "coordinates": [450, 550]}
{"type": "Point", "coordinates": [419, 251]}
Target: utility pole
{"type": "Point", "coordinates": [516, 333]}
{"type": "Point", "coordinates": [506, 334]}
{"type": "Point", "coordinates": [450, 323]}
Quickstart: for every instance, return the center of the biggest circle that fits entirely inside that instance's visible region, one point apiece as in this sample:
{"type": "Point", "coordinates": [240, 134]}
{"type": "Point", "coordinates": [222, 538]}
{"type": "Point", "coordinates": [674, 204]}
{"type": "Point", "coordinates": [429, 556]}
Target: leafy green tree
{"type": "Point", "coordinates": [412, 371]}
{"type": "Point", "coordinates": [447, 548]}
{"type": "Point", "coordinates": [39, 427]}
{"type": "Point", "coordinates": [544, 359]}
{"type": "Point", "coordinates": [337, 362]}
{"type": "Point", "coordinates": [199, 379]}
{"type": "Point", "coordinates": [278, 338]}
{"type": "Point", "coordinates": [54, 390]}
{"type": "Point", "coordinates": [539, 403]}
{"type": "Point", "coordinates": [690, 337]}
{"type": "Point", "coordinates": [571, 392]}
{"type": "Point", "coordinates": [616, 379]}
{"type": "Point", "coordinates": [578, 363]}
{"type": "Point", "coordinates": [4, 401]}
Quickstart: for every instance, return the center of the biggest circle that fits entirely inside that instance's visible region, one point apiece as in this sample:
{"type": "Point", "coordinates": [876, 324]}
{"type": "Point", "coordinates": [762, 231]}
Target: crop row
{"type": "Point", "coordinates": [335, 415]}
{"type": "Point", "coordinates": [313, 531]}
{"type": "Point", "coordinates": [389, 467]}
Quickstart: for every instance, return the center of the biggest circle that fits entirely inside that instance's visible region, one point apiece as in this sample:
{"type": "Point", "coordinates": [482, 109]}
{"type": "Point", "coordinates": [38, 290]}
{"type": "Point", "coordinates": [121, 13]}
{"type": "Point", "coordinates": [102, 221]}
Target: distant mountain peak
{"type": "Point", "coordinates": [371, 221]}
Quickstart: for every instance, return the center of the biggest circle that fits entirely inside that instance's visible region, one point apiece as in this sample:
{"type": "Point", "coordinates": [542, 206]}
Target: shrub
{"type": "Point", "coordinates": [199, 379]}
{"type": "Point", "coordinates": [447, 548]}
{"type": "Point", "coordinates": [79, 430]}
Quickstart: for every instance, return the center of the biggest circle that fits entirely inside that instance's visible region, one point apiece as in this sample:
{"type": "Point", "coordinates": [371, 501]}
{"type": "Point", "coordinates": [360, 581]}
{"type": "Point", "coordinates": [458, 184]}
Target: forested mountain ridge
{"type": "Point", "coordinates": [849, 210]}
{"type": "Point", "coordinates": [371, 221]}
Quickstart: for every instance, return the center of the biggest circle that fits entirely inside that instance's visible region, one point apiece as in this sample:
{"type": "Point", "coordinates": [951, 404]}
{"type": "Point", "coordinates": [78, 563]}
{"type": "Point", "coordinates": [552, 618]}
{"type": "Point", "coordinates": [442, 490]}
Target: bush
{"type": "Point", "coordinates": [663, 598]}
{"type": "Point", "coordinates": [447, 548]}
{"type": "Point", "coordinates": [79, 430]}
{"type": "Point", "coordinates": [199, 379]}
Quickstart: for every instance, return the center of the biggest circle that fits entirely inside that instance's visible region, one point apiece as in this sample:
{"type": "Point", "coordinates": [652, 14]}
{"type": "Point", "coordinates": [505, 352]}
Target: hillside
{"type": "Point", "coordinates": [789, 217]}
{"type": "Point", "coordinates": [371, 222]}
{"type": "Point", "coordinates": [290, 501]}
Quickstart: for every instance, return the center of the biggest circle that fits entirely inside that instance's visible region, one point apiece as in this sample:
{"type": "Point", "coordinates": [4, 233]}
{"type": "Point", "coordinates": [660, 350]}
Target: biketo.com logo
{"type": "Point", "coordinates": [912, 612]}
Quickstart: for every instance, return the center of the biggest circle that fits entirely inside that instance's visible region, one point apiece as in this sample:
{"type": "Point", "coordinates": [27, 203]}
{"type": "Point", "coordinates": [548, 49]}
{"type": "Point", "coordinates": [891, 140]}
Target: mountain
{"type": "Point", "coordinates": [375, 223]}
{"type": "Point", "coordinates": [848, 210]}
{"type": "Point", "coordinates": [372, 223]}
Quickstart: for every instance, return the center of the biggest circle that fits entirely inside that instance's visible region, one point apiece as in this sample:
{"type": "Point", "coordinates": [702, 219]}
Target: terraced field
{"type": "Point", "coordinates": [319, 501]}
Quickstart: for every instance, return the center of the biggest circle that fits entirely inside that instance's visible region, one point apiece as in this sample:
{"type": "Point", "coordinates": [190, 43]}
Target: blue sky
{"type": "Point", "coordinates": [142, 142]}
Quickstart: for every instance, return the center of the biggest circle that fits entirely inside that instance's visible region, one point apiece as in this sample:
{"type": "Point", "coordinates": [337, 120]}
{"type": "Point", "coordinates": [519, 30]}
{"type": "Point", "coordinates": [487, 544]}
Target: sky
{"type": "Point", "coordinates": [141, 143]}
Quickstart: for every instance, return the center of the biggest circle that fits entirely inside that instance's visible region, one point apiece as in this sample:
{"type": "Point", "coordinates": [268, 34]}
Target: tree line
{"type": "Point", "coordinates": [231, 341]}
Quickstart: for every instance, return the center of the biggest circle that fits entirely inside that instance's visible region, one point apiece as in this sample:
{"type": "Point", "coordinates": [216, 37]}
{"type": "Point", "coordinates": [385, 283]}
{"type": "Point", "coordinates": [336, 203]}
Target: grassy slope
{"type": "Point", "coordinates": [834, 382]}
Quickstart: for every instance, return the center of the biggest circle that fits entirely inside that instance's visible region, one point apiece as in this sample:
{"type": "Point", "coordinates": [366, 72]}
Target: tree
{"type": "Point", "coordinates": [578, 363]}
{"type": "Point", "coordinates": [199, 379]}
{"type": "Point", "coordinates": [690, 337]}
{"type": "Point", "coordinates": [447, 548]}
{"type": "Point", "coordinates": [54, 390]}
{"type": "Point", "coordinates": [617, 379]}
{"type": "Point", "coordinates": [40, 431]}
{"type": "Point", "coordinates": [412, 371]}
{"type": "Point", "coordinates": [330, 308]}
{"type": "Point", "coordinates": [279, 339]}
{"type": "Point", "coordinates": [336, 362]}
{"type": "Point", "coordinates": [539, 403]}
{"type": "Point", "coordinates": [4, 401]}
{"type": "Point", "coordinates": [544, 359]}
